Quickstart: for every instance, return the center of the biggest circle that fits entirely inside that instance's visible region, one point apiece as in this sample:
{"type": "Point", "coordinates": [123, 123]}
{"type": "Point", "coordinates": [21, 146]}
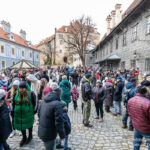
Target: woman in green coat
{"type": "Point", "coordinates": [23, 107]}
{"type": "Point", "coordinates": [66, 90]}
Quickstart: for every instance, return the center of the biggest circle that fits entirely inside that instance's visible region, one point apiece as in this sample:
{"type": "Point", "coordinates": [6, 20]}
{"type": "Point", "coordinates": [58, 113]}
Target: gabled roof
{"type": "Point", "coordinates": [48, 39]}
{"type": "Point", "coordinates": [17, 39]}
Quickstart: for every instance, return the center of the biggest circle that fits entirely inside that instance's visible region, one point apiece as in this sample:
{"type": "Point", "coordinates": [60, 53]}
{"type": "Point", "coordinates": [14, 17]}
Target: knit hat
{"type": "Point", "coordinates": [64, 77]}
{"type": "Point", "coordinates": [88, 75]}
{"type": "Point", "coordinates": [16, 82]}
{"type": "Point", "coordinates": [145, 83]}
{"type": "Point", "coordinates": [2, 93]}
{"type": "Point", "coordinates": [23, 84]}
{"type": "Point", "coordinates": [133, 80]}
{"type": "Point", "coordinates": [47, 90]}
{"type": "Point", "coordinates": [98, 81]}
{"type": "Point", "coordinates": [54, 86]}
{"type": "Point", "coordinates": [63, 104]}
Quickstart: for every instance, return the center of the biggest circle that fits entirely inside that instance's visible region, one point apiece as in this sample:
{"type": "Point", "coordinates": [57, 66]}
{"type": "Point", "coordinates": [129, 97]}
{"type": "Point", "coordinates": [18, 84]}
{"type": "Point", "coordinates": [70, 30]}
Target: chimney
{"type": "Point", "coordinates": [23, 34]}
{"type": "Point", "coordinates": [113, 15]}
{"type": "Point", "coordinates": [118, 13]}
{"type": "Point", "coordinates": [108, 19]}
{"type": "Point", "coordinates": [6, 26]}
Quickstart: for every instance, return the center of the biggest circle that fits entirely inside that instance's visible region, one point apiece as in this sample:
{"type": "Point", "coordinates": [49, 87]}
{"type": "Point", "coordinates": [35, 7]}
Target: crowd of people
{"type": "Point", "coordinates": [43, 96]}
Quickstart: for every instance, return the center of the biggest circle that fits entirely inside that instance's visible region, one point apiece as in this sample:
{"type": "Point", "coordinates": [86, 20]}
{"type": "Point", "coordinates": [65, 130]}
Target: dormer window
{"type": "Point", "coordinates": [29, 43]}
{"type": "Point", "coordinates": [11, 36]}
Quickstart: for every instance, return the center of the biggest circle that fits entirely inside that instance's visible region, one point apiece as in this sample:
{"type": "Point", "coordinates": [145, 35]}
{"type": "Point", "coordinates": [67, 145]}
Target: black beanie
{"type": "Point", "coordinates": [23, 84]}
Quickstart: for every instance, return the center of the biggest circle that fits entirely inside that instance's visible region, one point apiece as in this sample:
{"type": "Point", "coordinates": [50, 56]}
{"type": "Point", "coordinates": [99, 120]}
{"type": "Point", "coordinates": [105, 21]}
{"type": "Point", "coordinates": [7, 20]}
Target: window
{"type": "Point", "coordinates": [2, 49]}
{"type": "Point", "coordinates": [37, 56]}
{"type": "Point", "coordinates": [61, 36]}
{"type": "Point", "coordinates": [122, 65]}
{"type": "Point", "coordinates": [111, 47]}
{"type": "Point", "coordinates": [30, 54]}
{"type": "Point", "coordinates": [124, 42]}
{"type": "Point", "coordinates": [13, 51]}
{"type": "Point", "coordinates": [22, 53]}
{"type": "Point", "coordinates": [134, 33]}
{"type": "Point", "coordinates": [60, 51]}
{"type": "Point", "coordinates": [148, 25]}
{"type": "Point", "coordinates": [147, 64]}
{"type": "Point", "coordinates": [61, 42]}
{"type": "Point", "coordinates": [133, 64]}
{"type": "Point", "coordinates": [3, 64]}
{"type": "Point", "coordinates": [117, 43]}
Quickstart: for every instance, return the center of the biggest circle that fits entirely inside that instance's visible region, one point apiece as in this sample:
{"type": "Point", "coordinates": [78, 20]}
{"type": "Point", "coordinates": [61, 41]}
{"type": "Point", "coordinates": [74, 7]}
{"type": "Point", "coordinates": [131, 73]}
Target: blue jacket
{"type": "Point", "coordinates": [131, 86]}
{"type": "Point", "coordinates": [67, 124]}
{"type": "Point", "coordinates": [2, 83]}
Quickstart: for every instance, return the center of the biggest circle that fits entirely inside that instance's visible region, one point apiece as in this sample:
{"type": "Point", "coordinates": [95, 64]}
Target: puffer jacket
{"type": "Point", "coordinates": [99, 94]}
{"type": "Point", "coordinates": [5, 124]}
{"type": "Point", "coordinates": [139, 111]}
{"type": "Point", "coordinates": [51, 118]}
{"type": "Point", "coordinates": [86, 90]}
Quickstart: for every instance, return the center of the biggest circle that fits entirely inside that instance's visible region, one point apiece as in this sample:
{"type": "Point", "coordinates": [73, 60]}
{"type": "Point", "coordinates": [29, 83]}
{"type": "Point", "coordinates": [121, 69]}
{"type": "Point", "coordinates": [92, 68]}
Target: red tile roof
{"type": "Point", "coordinates": [131, 7]}
{"type": "Point", "coordinates": [48, 39]}
{"type": "Point", "coordinates": [17, 39]}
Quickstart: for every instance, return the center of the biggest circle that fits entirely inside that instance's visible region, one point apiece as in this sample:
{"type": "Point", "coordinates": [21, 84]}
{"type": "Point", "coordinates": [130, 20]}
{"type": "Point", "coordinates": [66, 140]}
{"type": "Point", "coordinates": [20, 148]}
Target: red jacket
{"type": "Point", "coordinates": [139, 110]}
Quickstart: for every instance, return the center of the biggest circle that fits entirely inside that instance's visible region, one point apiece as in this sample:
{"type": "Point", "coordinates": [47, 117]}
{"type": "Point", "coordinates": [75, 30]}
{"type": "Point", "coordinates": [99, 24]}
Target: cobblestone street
{"type": "Point", "coordinates": [103, 136]}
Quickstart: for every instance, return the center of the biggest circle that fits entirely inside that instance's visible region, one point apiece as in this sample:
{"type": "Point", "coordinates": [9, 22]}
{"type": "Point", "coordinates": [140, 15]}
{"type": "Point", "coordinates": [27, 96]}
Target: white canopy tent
{"type": "Point", "coordinates": [23, 64]}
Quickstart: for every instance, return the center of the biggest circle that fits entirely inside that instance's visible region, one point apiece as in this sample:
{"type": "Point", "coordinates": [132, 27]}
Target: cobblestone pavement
{"type": "Point", "coordinates": [103, 136]}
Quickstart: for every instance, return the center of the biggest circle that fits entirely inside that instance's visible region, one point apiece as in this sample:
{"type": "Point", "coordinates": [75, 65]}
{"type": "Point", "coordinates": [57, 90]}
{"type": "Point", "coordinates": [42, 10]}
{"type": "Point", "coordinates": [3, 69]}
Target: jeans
{"type": "Point", "coordinates": [138, 139]}
{"type": "Point", "coordinates": [50, 145]}
{"type": "Point", "coordinates": [4, 145]}
{"type": "Point", "coordinates": [99, 109]}
{"type": "Point", "coordinates": [125, 118]}
{"type": "Point", "coordinates": [65, 142]}
{"type": "Point", "coordinates": [86, 112]}
{"type": "Point", "coordinates": [115, 106]}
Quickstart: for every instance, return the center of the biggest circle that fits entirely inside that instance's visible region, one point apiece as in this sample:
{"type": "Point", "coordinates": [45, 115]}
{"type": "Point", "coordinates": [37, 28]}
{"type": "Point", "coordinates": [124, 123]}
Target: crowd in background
{"type": "Point", "coordinates": [44, 95]}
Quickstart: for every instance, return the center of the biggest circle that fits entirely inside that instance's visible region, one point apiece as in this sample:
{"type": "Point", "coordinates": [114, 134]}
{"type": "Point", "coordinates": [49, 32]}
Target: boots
{"type": "Point", "coordinates": [23, 141]}
{"type": "Point", "coordinates": [30, 136]}
{"type": "Point", "coordinates": [124, 126]}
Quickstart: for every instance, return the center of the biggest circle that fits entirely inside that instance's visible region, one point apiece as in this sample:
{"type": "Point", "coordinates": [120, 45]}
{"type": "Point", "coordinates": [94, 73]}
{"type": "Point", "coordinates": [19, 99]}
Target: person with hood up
{"type": "Point", "coordinates": [109, 95]}
{"type": "Point", "coordinates": [75, 96]}
{"type": "Point", "coordinates": [51, 120]}
{"type": "Point", "coordinates": [5, 124]}
{"type": "Point", "coordinates": [139, 111]}
{"type": "Point", "coordinates": [66, 90]}
{"type": "Point", "coordinates": [128, 93]}
{"type": "Point", "coordinates": [99, 94]}
{"type": "Point", "coordinates": [86, 92]}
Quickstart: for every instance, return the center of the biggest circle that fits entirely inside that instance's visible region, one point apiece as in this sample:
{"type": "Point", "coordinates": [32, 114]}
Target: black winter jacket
{"type": "Point", "coordinates": [51, 118]}
{"type": "Point", "coordinates": [100, 92]}
{"type": "Point", "coordinates": [5, 124]}
{"type": "Point", "coordinates": [118, 91]}
{"type": "Point", "coordinates": [86, 90]}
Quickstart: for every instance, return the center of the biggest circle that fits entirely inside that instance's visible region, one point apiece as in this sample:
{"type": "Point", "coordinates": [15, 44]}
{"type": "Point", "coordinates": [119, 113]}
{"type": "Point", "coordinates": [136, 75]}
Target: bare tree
{"type": "Point", "coordinates": [79, 40]}
{"type": "Point", "coordinates": [48, 52]}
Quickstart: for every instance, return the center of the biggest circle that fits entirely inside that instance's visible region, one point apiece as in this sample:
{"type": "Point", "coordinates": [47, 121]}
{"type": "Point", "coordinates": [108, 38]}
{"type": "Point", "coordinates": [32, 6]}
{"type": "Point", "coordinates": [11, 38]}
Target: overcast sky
{"type": "Point", "coordinates": [39, 17]}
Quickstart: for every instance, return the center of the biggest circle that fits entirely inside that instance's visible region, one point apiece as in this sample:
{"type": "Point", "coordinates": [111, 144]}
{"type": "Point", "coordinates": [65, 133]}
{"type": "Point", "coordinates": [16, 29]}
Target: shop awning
{"type": "Point", "coordinates": [112, 57]}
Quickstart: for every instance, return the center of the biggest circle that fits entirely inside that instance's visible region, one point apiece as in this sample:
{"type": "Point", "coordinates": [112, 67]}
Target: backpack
{"type": "Point", "coordinates": [126, 95]}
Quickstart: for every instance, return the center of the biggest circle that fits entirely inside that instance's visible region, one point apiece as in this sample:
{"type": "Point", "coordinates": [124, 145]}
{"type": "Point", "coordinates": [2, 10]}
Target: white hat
{"type": "Point", "coordinates": [16, 82]}
{"type": "Point", "coordinates": [64, 77]}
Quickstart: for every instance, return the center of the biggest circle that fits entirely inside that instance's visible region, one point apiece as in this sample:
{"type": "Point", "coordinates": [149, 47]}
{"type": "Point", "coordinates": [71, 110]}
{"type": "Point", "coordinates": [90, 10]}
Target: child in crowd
{"type": "Point", "coordinates": [75, 96]}
{"type": "Point", "coordinates": [67, 126]}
